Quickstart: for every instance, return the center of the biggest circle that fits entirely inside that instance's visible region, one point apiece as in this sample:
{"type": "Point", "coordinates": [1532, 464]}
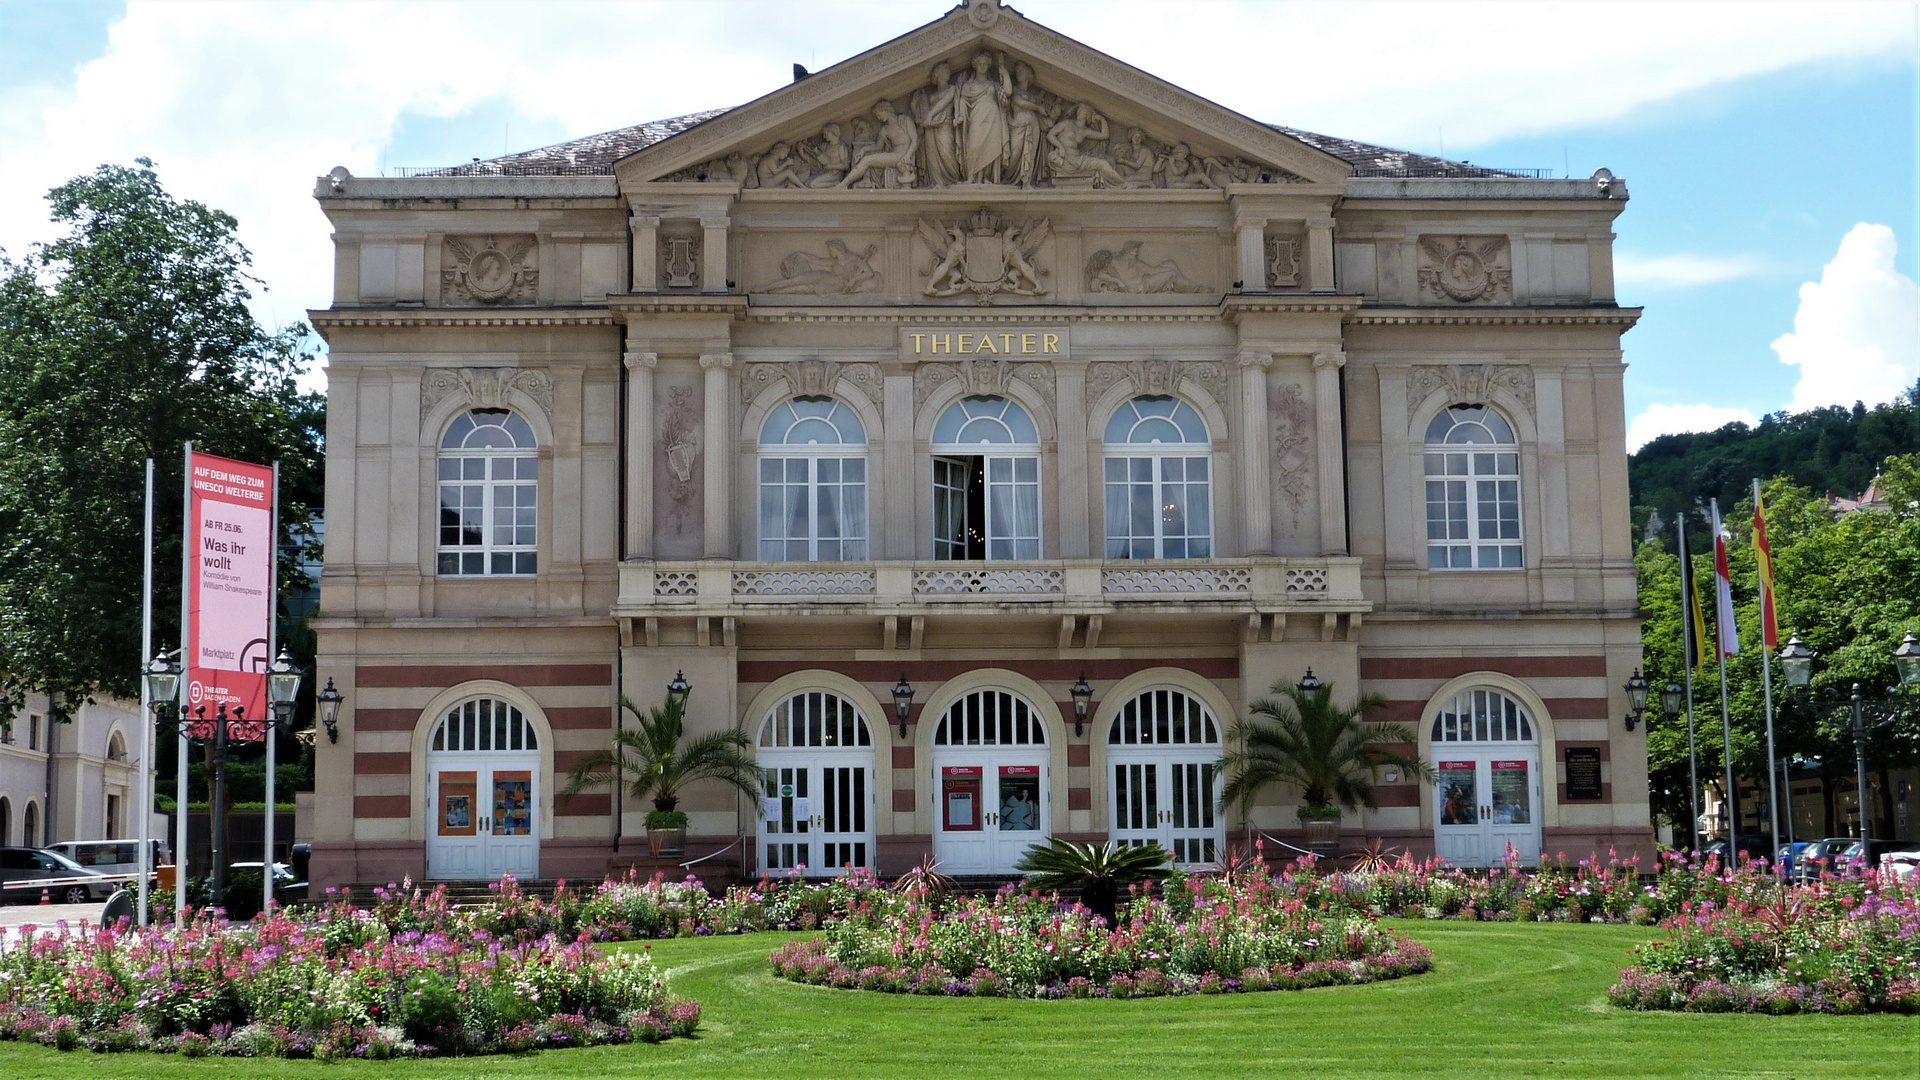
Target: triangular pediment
{"type": "Point", "coordinates": [1046, 112]}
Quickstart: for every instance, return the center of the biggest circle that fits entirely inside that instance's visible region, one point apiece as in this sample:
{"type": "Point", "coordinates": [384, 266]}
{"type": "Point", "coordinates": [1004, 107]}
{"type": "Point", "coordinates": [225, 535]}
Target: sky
{"type": "Point", "coordinates": [1769, 147]}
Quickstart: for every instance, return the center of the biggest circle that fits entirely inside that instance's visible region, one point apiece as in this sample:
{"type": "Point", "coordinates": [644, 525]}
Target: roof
{"type": "Point", "coordinates": [595, 155]}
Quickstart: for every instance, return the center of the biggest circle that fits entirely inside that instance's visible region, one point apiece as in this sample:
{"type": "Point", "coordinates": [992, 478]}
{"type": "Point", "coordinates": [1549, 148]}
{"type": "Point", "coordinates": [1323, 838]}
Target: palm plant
{"type": "Point", "coordinates": [650, 762]}
{"type": "Point", "coordinates": [1328, 751]}
{"type": "Point", "coordinates": [1099, 872]}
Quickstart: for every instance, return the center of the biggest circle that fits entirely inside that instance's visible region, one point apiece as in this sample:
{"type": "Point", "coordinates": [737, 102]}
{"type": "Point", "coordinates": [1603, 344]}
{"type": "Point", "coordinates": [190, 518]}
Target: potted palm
{"type": "Point", "coordinates": [1332, 753]}
{"type": "Point", "coordinates": [653, 759]}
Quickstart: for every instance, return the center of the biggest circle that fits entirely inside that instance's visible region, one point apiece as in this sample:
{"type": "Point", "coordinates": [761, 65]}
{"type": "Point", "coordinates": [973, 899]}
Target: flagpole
{"type": "Point", "coordinates": [1766, 674]}
{"type": "Point", "coordinates": [180, 829]}
{"type": "Point", "coordinates": [143, 792]}
{"type": "Point", "coordinates": [1731, 805]}
{"type": "Point", "coordinates": [273, 718]}
{"type": "Point", "coordinates": [1689, 649]}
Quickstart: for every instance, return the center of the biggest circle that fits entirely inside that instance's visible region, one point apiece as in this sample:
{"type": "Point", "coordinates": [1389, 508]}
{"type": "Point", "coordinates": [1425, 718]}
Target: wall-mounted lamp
{"type": "Point", "coordinates": [902, 702]}
{"type": "Point", "coordinates": [1307, 684]}
{"type": "Point", "coordinates": [1082, 700]}
{"type": "Point", "coordinates": [327, 704]}
{"type": "Point", "coordinates": [679, 688]}
{"type": "Point", "coordinates": [1637, 688]}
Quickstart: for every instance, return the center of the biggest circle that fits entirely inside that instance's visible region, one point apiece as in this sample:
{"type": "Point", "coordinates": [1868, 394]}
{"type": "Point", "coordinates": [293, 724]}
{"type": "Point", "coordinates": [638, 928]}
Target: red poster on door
{"type": "Point", "coordinates": [229, 592]}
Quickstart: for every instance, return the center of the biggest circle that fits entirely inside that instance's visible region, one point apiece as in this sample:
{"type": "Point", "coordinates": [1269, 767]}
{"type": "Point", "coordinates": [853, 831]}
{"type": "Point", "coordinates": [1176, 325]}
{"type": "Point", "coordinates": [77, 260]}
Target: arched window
{"type": "Point", "coordinates": [30, 826]}
{"type": "Point", "coordinates": [116, 747]}
{"type": "Point", "coordinates": [1473, 490]}
{"type": "Point", "coordinates": [484, 724]}
{"type": "Point", "coordinates": [1158, 481]}
{"type": "Point", "coordinates": [986, 481]}
{"type": "Point", "coordinates": [990, 718]}
{"type": "Point", "coordinates": [6, 821]}
{"type": "Point", "coordinates": [813, 482]}
{"type": "Point", "coordinates": [1482, 716]}
{"type": "Point", "coordinates": [814, 719]}
{"type": "Point", "coordinates": [489, 482]}
{"type": "Point", "coordinates": [1163, 718]}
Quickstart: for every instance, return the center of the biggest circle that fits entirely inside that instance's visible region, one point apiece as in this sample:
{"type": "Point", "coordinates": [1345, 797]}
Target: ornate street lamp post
{"type": "Point", "coordinates": [1865, 713]}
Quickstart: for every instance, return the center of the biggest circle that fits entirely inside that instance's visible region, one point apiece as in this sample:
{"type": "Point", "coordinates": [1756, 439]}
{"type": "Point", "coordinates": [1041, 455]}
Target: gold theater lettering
{"type": "Point", "coordinates": [982, 343]}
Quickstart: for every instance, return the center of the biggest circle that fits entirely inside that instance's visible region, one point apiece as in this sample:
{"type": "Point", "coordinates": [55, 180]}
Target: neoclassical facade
{"type": "Point", "coordinates": [985, 363]}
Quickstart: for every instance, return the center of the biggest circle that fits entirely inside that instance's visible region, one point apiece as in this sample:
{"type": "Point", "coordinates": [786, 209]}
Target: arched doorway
{"type": "Point", "coordinates": [483, 785]}
{"type": "Point", "coordinates": [1486, 749]}
{"type": "Point", "coordinates": [1163, 761]}
{"type": "Point", "coordinates": [990, 772]}
{"type": "Point", "coordinates": [816, 764]}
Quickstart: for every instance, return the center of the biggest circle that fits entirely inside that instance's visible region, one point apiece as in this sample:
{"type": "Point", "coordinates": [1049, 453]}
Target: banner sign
{"type": "Point", "coordinates": [229, 588]}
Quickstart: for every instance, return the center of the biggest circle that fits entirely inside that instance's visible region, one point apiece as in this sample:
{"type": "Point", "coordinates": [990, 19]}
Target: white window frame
{"type": "Point", "coordinates": [474, 467]}
{"type": "Point", "coordinates": [1137, 434]}
{"type": "Point", "coordinates": [1005, 455]}
{"type": "Point", "coordinates": [782, 449]}
{"type": "Point", "coordinates": [1474, 512]}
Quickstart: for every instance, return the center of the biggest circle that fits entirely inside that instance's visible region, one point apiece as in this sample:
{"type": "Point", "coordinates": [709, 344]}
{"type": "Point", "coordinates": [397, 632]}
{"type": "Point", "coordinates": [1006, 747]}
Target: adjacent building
{"type": "Point", "coordinates": [69, 781]}
{"type": "Point", "coordinates": [978, 365]}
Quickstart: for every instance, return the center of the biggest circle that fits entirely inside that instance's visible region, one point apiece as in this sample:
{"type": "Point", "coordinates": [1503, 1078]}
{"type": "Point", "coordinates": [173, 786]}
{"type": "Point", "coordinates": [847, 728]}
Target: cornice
{"type": "Point", "coordinates": [730, 305]}
{"type": "Point", "coordinates": [1481, 316]}
{"type": "Point", "coordinates": [332, 318]}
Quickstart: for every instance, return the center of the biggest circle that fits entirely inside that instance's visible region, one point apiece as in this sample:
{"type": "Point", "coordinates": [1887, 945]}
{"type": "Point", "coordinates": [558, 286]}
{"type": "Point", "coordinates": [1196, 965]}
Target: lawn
{"type": "Point", "coordinates": [1503, 1000]}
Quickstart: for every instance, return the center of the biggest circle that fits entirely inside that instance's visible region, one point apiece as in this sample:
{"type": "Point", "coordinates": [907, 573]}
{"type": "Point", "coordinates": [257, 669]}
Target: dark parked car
{"type": "Point", "coordinates": [23, 870]}
{"type": "Point", "coordinates": [1787, 859]}
{"type": "Point", "coordinates": [1751, 847]}
{"type": "Point", "coordinates": [1867, 852]}
{"type": "Point", "coordinates": [1822, 856]}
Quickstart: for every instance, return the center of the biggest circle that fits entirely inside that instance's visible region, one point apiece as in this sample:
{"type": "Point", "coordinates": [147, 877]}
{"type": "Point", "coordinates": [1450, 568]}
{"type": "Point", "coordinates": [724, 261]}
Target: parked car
{"type": "Point", "coordinates": [1866, 852]}
{"type": "Point", "coordinates": [120, 857]}
{"type": "Point", "coordinates": [286, 887]}
{"type": "Point", "coordinates": [1751, 847]}
{"type": "Point", "coordinates": [1818, 857]}
{"type": "Point", "coordinates": [25, 871]}
{"type": "Point", "coordinates": [1788, 857]}
{"type": "Point", "coordinates": [1901, 864]}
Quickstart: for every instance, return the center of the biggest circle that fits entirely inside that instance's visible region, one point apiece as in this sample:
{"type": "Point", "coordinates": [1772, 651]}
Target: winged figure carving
{"type": "Point", "coordinates": [1464, 268]}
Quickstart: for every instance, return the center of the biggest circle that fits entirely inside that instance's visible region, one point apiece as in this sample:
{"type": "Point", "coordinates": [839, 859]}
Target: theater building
{"type": "Point", "coordinates": [985, 362]}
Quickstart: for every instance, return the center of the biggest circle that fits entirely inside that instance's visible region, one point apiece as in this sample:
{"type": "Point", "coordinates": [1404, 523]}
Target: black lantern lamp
{"type": "Point", "coordinates": [283, 686]}
{"type": "Point", "coordinates": [679, 688]}
{"type": "Point", "coordinates": [1906, 661]}
{"type": "Point", "coordinates": [1637, 688]}
{"type": "Point", "coordinates": [902, 702]}
{"type": "Point", "coordinates": [1082, 700]}
{"type": "Point", "coordinates": [1797, 661]}
{"type": "Point", "coordinates": [163, 681]}
{"type": "Point", "coordinates": [328, 707]}
{"type": "Point", "coordinates": [1672, 698]}
{"type": "Point", "coordinates": [1307, 684]}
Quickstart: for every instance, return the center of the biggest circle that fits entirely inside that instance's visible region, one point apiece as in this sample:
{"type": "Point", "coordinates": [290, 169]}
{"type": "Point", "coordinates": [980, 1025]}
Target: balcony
{"type": "Point", "coordinates": [1251, 585]}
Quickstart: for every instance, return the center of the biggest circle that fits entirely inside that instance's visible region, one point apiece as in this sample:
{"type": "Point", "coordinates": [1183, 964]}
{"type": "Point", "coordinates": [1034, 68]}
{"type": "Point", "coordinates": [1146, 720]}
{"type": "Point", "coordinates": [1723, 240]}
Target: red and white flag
{"type": "Point", "coordinates": [1724, 625]}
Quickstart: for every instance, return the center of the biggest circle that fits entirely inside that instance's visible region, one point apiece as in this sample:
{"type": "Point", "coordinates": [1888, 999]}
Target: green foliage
{"type": "Point", "coordinates": [650, 760]}
{"type": "Point", "coordinates": [666, 819]}
{"type": "Point", "coordinates": [1101, 872]}
{"type": "Point", "coordinates": [1328, 751]}
{"type": "Point", "coordinates": [120, 341]}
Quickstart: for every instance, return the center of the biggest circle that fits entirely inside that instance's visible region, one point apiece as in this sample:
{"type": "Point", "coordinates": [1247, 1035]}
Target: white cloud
{"type": "Point", "coordinates": [241, 106]}
{"type": "Point", "coordinates": [1682, 270]}
{"type": "Point", "coordinates": [1856, 336]}
{"type": "Point", "coordinates": [1661, 420]}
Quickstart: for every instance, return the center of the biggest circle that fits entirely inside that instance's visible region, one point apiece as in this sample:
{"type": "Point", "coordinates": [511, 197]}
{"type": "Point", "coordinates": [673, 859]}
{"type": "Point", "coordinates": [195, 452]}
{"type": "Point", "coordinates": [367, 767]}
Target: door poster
{"type": "Point", "coordinates": [1019, 798]}
{"type": "Point", "coordinates": [1455, 796]}
{"type": "Point", "coordinates": [512, 803]}
{"type": "Point", "coordinates": [1512, 798]}
{"type": "Point", "coordinates": [456, 804]}
{"type": "Point", "coordinates": [960, 798]}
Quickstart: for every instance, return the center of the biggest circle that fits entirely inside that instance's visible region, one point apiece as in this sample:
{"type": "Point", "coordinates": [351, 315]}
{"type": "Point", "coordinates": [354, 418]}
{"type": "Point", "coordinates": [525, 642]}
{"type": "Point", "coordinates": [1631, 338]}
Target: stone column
{"type": "Point", "coordinates": [1320, 254]}
{"type": "Point", "coordinates": [646, 253]}
{"type": "Point", "coordinates": [639, 521]}
{"type": "Point", "coordinates": [718, 451]}
{"type": "Point", "coordinates": [714, 253]}
{"type": "Point", "coordinates": [1330, 439]}
{"type": "Point", "coordinates": [1256, 485]}
{"type": "Point", "coordinates": [1077, 483]}
{"type": "Point", "coordinates": [900, 511]}
{"type": "Point", "coordinates": [1253, 253]}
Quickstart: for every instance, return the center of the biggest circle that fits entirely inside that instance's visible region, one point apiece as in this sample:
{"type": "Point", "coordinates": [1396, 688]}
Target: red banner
{"type": "Point", "coordinates": [230, 533]}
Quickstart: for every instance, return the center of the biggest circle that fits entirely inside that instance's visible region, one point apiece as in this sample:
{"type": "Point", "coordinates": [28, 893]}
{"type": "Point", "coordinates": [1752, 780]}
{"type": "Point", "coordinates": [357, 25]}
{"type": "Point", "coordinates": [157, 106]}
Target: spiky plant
{"type": "Point", "coordinates": [1100, 872]}
{"type": "Point", "coordinates": [1330, 752]}
{"type": "Point", "coordinates": [650, 762]}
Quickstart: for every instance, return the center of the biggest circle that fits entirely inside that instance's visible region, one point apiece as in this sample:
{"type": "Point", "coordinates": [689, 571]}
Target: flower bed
{"type": "Point", "coordinates": [1205, 935]}
{"type": "Point", "coordinates": [1845, 946]}
{"type": "Point", "coordinates": [339, 984]}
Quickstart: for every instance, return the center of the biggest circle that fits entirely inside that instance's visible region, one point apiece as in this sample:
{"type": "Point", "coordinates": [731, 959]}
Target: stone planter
{"type": "Point", "coordinates": [665, 842]}
{"type": "Point", "coordinates": [1323, 834]}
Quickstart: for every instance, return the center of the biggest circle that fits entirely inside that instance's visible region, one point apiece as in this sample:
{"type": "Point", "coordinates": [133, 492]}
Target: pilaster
{"type": "Point", "coordinates": [718, 454]}
{"type": "Point", "coordinates": [1252, 233]}
{"type": "Point", "coordinates": [1256, 496]}
{"type": "Point", "coordinates": [646, 247]}
{"type": "Point", "coordinates": [713, 250]}
{"type": "Point", "coordinates": [1330, 441]}
{"type": "Point", "coordinates": [639, 523]}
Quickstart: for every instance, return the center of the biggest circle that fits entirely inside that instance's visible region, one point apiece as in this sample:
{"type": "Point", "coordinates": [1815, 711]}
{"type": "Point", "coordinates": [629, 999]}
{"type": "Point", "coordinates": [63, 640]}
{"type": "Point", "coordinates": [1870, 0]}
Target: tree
{"type": "Point", "coordinates": [120, 341]}
{"type": "Point", "coordinates": [649, 760]}
{"type": "Point", "coordinates": [1328, 751]}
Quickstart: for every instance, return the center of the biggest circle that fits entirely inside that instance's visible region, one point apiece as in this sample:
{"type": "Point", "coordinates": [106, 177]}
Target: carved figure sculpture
{"type": "Point", "coordinates": [932, 110]}
{"type": "Point", "coordinates": [487, 275]}
{"type": "Point", "coordinates": [1178, 169]}
{"type": "Point", "coordinates": [983, 258]}
{"type": "Point", "coordinates": [1133, 159]}
{"type": "Point", "coordinates": [830, 158]}
{"type": "Point", "coordinates": [1030, 118]}
{"type": "Point", "coordinates": [892, 156]}
{"type": "Point", "coordinates": [841, 272]}
{"type": "Point", "coordinates": [779, 168]}
{"type": "Point", "coordinates": [1071, 159]}
{"type": "Point", "coordinates": [1126, 272]}
{"type": "Point", "coordinates": [1466, 270]}
{"type": "Point", "coordinates": [981, 103]}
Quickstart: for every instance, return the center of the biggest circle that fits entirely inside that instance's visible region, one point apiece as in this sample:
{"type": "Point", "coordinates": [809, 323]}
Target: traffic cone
{"type": "Point", "coordinates": [45, 899]}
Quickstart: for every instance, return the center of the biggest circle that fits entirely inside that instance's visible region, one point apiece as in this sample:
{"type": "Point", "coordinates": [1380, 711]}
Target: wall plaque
{"type": "Point", "coordinates": [1583, 772]}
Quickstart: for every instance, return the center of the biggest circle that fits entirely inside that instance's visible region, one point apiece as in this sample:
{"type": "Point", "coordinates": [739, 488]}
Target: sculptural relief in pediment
{"type": "Point", "coordinates": [986, 122]}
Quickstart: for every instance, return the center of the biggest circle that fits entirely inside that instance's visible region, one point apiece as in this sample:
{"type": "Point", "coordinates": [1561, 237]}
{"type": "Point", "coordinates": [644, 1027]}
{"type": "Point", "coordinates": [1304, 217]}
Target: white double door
{"type": "Point", "coordinates": [1485, 800]}
{"type": "Point", "coordinates": [485, 816]}
{"type": "Point", "coordinates": [1167, 799]}
{"type": "Point", "coordinates": [989, 808]}
{"type": "Point", "coordinates": [816, 812]}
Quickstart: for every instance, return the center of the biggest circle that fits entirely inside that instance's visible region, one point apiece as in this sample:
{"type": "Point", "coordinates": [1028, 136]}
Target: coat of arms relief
{"type": "Point", "coordinates": [985, 121]}
{"type": "Point", "coordinates": [983, 256]}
